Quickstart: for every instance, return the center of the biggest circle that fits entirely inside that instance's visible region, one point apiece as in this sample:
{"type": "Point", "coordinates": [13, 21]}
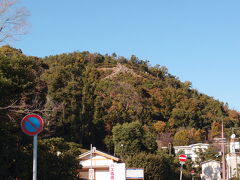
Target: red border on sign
{"type": "Point", "coordinates": [182, 157]}
{"type": "Point", "coordinates": [38, 130]}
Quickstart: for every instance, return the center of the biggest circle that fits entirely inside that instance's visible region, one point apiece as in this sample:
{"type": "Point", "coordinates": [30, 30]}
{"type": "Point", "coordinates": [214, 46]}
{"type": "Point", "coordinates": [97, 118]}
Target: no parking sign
{"type": "Point", "coordinates": [32, 124]}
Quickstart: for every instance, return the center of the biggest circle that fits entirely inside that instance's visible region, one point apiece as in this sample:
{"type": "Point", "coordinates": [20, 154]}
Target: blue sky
{"type": "Point", "coordinates": [197, 40]}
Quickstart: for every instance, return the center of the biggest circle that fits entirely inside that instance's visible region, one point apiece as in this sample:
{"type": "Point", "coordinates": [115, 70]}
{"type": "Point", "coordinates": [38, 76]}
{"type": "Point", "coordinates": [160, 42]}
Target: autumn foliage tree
{"type": "Point", "coordinates": [160, 126]}
{"type": "Point", "coordinates": [187, 136]}
{"type": "Point", "coordinates": [215, 129]}
{"type": "Point", "coordinates": [109, 101]}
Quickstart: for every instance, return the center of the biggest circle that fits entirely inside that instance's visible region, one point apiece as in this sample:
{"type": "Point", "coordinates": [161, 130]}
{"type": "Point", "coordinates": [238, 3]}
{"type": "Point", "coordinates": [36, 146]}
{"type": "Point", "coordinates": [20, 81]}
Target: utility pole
{"type": "Point", "coordinates": [91, 155]}
{"type": "Point", "coordinates": [170, 149]}
{"type": "Point", "coordinates": [223, 155]}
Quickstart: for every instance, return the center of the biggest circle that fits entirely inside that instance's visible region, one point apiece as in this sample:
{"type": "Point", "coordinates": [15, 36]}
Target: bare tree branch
{"type": "Point", "coordinates": [12, 20]}
{"type": "Point", "coordinates": [9, 106]}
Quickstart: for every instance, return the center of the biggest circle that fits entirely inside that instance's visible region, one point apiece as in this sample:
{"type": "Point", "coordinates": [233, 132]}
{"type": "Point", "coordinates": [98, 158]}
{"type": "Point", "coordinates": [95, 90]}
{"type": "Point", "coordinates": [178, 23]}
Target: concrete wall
{"type": "Point", "coordinates": [232, 160]}
{"type": "Point", "coordinates": [211, 171]}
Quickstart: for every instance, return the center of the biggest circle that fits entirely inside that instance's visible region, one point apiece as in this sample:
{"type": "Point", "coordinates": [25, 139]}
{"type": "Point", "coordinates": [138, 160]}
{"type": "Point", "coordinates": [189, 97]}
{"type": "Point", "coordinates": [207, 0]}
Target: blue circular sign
{"type": "Point", "coordinates": [32, 124]}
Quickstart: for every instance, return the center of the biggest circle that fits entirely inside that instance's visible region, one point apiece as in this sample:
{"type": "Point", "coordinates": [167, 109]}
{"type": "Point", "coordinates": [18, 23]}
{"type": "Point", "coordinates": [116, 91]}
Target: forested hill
{"type": "Point", "coordinates": [83, 96]}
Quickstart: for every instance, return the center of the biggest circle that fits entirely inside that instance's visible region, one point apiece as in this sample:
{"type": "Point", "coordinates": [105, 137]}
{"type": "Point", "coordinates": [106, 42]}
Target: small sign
{"type": "Point", "coordinates": [112, 173]}
{"type": "Point", "coordinates": [182, 158]}
{"type": "Point", "coordinates": [135, 173]}
{"type": "Point", "coordinates": [91, 174]}
{"type": "Point", "coordinates": [32, 124]}
{"type": "Point", "coordinates": [192, 172]}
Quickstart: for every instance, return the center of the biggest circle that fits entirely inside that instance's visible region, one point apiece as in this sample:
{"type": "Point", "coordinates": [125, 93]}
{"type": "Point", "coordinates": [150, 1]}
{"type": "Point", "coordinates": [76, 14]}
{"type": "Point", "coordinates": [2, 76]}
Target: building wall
{"type": "Point", "coordinates": [234, 147]}
{"type": "Point", "coordinates": [98, 174]}
{"type": "Point", "coordinates": [191, 150]}
{"type": "Point", "coordinates": [232, 160]}
{"type": "Point", "coordinates": [102, 166]}
{"type": "Point", "coordinates": [102, 175]}
{"type": "Point", "coordinates": [118, 172]}
{"type": "Point", "coordinates": [211, 171]}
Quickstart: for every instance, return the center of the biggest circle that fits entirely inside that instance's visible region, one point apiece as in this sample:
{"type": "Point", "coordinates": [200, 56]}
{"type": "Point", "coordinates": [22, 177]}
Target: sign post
{"type": "Point", "coordinates": [192, 173]}
{"type": "Point", "coordinates": [32, 125]}
{"type": "Point", "coordinates": [35, 157]}
{"type": "Point", "coordinates": [182, 159]}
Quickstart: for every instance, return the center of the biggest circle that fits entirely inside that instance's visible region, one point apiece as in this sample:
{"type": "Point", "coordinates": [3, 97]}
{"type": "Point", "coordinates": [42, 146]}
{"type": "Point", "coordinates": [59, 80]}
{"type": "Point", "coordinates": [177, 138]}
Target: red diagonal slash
{"type": "Point", "coordinates": [32, 124]}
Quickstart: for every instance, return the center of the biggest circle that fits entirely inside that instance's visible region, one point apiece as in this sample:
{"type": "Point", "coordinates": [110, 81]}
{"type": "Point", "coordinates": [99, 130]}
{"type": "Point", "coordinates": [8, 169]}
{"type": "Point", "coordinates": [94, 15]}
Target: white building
{"type": "Point", "coordinates": [234, 145]}
{"type": "Point", "coordinates": [232, 161]}
{"type": "Point", "coordinates": [232, 158]}
{"type": "Point", "coordinates": [103, 166]}
{"type": "Point", "coordinates": [191, 150]}
{"type": "Point", "coordinates": [211, 170]}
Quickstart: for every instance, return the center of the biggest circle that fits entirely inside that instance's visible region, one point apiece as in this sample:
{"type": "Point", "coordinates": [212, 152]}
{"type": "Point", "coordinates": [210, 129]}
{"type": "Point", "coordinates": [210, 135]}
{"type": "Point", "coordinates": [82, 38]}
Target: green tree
{"type": "Point", "coordinates": [21, 92]}
{"type": "Point", "coordinates": [187, 113]}
{"type": "Point", "coordinates": [64, 79]}
{"type": "Point", "coordinates": [58, 159]}
{"type": "Point", "coordinates": [127, 138]}
{"type": "Point", "coordinates": [131, 138]}
{"type": "Point", "coordinates": [156, 167]}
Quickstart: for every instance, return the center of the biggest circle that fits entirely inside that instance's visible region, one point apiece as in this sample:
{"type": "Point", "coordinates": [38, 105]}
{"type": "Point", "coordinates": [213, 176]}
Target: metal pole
{"type": "Point", "coordinates": [170, 148]}
{"type": "Point", "coordinates": [181, 171]}
{"type": "Point", "coordinates": [35, 157]}
{"type": "Point", "coordinates": [91, 156]}
{"type": "Point", "coordinates": [223, 155]}
{"type": "Point", "coordinates": [91, 178]}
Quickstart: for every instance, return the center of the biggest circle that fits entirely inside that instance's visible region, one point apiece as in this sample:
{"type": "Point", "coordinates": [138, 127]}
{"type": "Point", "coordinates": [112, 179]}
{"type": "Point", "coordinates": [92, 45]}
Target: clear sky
{"type": "Point", "coordinates": [197, 40]}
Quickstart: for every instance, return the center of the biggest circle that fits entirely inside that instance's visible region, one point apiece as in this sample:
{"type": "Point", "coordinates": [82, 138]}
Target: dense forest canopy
{"type": "Point", "coordinates": [88, 98]}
